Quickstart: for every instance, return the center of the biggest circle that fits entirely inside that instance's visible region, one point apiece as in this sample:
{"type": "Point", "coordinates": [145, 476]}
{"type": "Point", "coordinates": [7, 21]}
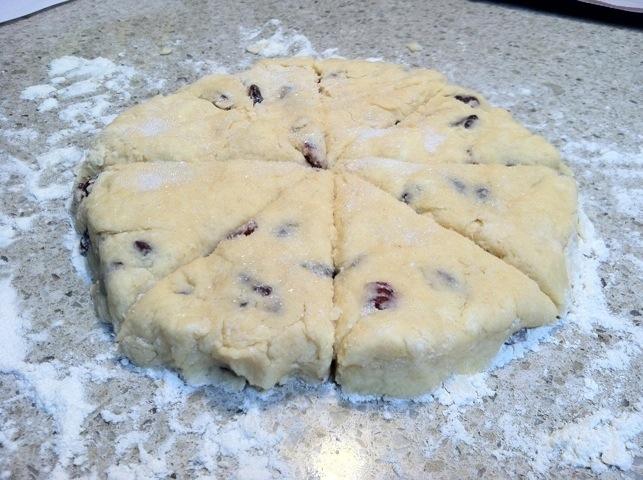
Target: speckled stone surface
{"type": "Point", "coordinates": [577, 83]}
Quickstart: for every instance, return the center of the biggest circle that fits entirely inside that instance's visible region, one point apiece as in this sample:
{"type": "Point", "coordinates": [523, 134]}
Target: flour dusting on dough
{"type": "Point", "coordinates": [432, 140]}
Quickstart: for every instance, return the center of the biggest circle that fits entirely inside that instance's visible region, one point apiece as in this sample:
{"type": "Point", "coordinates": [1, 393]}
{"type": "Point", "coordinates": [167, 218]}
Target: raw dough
{"type": "Point", "coordinates": [262, 224]}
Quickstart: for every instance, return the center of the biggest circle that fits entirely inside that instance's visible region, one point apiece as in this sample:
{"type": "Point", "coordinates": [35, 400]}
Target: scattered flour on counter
{"type": "Point", "coordinates": [88, 115]}
{"type": "Point", "coordinates": [594, 153]}
{"type": "Point", "coordinates": [587, 305]}
{"type": "Point", "coordinates": [247, 439]}
{"type": "Point", "coordinates": [523, 342]}
{"type": "Point", "coordinates": [36, 92]}
{"type": "Point", "coordinates": [149, 467]}
{"type": "Point", "coordinates": [461, 390]}
{"type": "Point", "coordinates": [57, 389]}
{"type": "Point", "coordinates": [516, 435]}
{"type": "Point", "coordinates": [590, 388]}
{"type": "Point", "coordinates": [61, 396]}
{"type": "Point", "coordinates": [600, 440]}
{"type": "Point", "coordinates": [59, 136]}
{"type": "Point", "coordinates": [100, 82]}
{"type": "Point", "coordinates": [111, 417]}
{"type": "Point", "coordinates": [58, 164]}
{"type": "Point", "coordinates": [80, 88]}
{"type": "Point", "coordinates": [13, 347]}
{"type": "Point", "coordinates": [204, 67]}
{"type": "Point", "coordinates": [618, 357]}
{"type": "Point", "coordinates": [630, 201]}
{"type": "Point", "coordinates": [65, 156]}
{"type": "Point", "coordinates": [6, 232]}
{"type": "Point", "coordinates": [77, 67]}
{"type": "Point", "coordinates": [281, 43]}
{"type": "Point", "coordinates": [48, 104]}
{"type": "Point", "coordinates": [19, 136]}
{"type": "Point", "coordinates": [11, 227]}
{"type": "Point", "coordinates": [455, 431]}
{"type": "Point", "coordinates": [130, 439]}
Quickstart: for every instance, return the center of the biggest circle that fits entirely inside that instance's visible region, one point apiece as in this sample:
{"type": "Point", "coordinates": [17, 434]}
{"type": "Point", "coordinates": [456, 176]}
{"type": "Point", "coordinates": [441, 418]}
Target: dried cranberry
{"type": "Point", "coordinates": [482, 193]}
{"type": "Point", "coordinates": [255, 94]}
{"type": "Point", "coordinates": [406, 197]}
{"type": "Point", "coordinates": [143, 247]}
{"type": "Point", "coordinates": [85, 243]}
{"type": "Point", "coordinates": [312, 156]}
{"type": "Point", "coordinates": [381, 295]}
{"type": "Point", "coordinates": [258, 287]}
{"type": "Point", "coordinates": [468, 99]}
{"type": "Point", "coordinates": [246, 229]}
{"type": "Point", "coordinates": [466, 122]}
{"type": "Point", "coordinates": [263, 290]}
{"type": "Point", "coordinates": [286, 229]}
{"type": "Point", "coordinates": [458, 185]}
{"type": "Point", "coordinates": [223, 102]}
{"type": "Point", "coordinates": [85, 187]}
{"type": "Point", "coordinates": [447, 278]}
{"type": "Point", "coordinates": [519, 336]}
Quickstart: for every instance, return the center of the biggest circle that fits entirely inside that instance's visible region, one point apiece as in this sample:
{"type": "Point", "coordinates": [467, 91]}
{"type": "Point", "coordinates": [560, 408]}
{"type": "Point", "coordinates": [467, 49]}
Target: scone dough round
{"type": "Point", "coordinates": [259, 225]}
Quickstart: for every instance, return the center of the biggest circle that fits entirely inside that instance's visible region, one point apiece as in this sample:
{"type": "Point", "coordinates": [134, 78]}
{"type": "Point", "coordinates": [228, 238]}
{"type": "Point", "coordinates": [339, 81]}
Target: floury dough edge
{"type": "Point", "coordinates": [244, 159]}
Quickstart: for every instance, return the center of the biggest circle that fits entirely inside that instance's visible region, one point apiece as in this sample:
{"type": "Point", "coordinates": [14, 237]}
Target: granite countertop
{"type": "Point", "coordinates": [569, 403]}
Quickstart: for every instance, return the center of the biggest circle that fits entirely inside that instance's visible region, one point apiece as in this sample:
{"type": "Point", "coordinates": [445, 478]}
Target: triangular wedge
{"type": "Point", "coordinates": [142, 221]}
{"type": "Point", "coordinates": [456, 125]}
{"type": "Point", "coordinates": [270, 112]}
{"type": "Point", "coordinates": [524, 215]}
{"type": "Point", "coordinates": [261, 305]}
{"type": "Point", "coordinates": [418, 302]}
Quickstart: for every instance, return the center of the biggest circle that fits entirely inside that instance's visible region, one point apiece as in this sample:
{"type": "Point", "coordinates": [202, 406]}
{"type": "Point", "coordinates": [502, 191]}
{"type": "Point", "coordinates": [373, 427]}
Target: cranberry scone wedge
{"type": "Point", "coordinates": [418, 302]}
{"type": "Point", "coordinates": [525, 215]}
{"type": "Point", "coordinates": [269, 112]}
{"type": "Point", "coordinates": [142, 221]}
{"type": "Point", "coordinates": [261, 305]}
{"type": "Point", "coordinates": [457, 125]}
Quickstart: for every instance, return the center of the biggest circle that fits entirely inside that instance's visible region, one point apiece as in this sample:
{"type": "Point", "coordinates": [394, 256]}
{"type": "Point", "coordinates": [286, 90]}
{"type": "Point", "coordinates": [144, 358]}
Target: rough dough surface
{"type": "Point", "coordinates": [259, 225]}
